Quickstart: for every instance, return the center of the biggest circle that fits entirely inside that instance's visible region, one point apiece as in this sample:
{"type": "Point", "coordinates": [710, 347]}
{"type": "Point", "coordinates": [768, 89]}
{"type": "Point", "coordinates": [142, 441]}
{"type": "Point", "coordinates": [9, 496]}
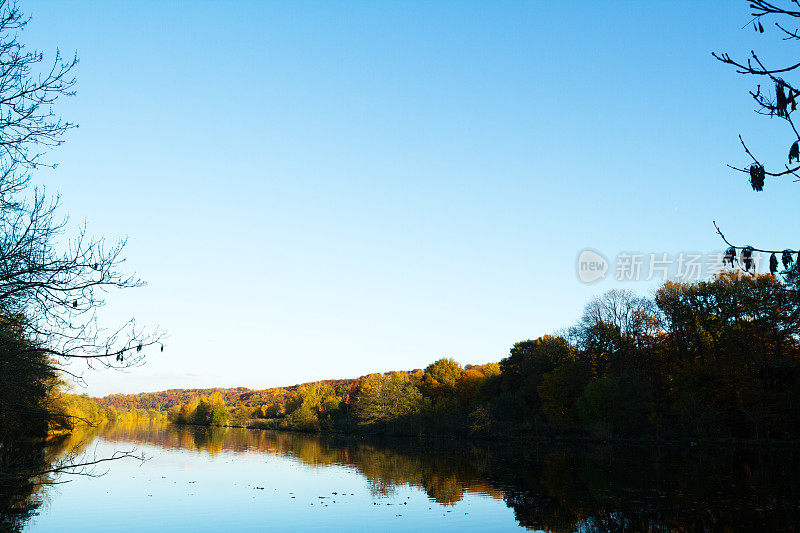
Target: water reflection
{"type": "Point", "coordinates": [553, 488]}
{"type": "Point", "coordinates": [28, 467]}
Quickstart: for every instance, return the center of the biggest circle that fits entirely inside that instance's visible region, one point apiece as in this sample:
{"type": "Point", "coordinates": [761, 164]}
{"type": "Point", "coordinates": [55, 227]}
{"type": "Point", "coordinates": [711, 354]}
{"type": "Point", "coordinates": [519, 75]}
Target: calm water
{"type": "Point", "coordinates": [200, 479]}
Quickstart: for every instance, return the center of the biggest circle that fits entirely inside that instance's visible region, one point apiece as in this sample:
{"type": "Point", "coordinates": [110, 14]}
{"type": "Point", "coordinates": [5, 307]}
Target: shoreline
{"type": "Point", "coordinates": [728, 443]}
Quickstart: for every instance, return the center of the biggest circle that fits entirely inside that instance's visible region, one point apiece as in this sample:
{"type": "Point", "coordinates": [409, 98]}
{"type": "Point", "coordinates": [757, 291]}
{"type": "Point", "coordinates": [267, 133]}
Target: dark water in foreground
{"type": "Point", "coordinates": [217, 479]}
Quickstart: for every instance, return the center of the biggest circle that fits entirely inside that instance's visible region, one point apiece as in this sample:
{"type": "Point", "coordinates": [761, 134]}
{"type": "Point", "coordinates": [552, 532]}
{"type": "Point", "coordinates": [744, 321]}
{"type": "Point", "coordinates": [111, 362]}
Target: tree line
{"type": "Point", "coordinates": [716, 359]}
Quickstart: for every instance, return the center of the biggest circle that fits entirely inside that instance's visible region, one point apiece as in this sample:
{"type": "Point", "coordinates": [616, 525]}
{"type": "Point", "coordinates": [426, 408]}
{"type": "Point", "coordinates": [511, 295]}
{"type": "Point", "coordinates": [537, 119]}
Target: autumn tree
{"type": "Point", "coordinates": [734, 344]}
{"type": "Point", "coordinates": [561, 389]}
{"type": "Point", "coordinates": [384, 398]}
{"type": "Point", "coordinates": [528, 361]}
{"type": "Point", "coordinates": [614, 327]}
{"type": "Point", "coordinates": [439, 382]}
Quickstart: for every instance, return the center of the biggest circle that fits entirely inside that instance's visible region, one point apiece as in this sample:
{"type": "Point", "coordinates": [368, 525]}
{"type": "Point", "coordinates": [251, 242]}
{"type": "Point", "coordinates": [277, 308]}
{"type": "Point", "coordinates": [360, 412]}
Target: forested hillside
{"type": "Point", "coordinates": [712, 360]}
{"type": "Point", "coordinates": [237, 397]}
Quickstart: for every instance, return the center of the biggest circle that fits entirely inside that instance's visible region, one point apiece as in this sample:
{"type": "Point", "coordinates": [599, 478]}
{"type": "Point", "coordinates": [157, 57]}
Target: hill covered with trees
{"type": "Point", "coordinates": [712, 360]}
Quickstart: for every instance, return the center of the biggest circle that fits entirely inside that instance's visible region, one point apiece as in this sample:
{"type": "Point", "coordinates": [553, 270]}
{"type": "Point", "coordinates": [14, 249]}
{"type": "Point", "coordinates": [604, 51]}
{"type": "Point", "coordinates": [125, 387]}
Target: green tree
{"type": "Point", "coordinates": [219, 410]}
{"type": "Point", "coordinates": [561, 389]}
{"type": "Point", "coordinates": [383, 398]}
{"type": "Point", "coordinates": [439, 382]}
{"type": "Point", "coordinates": [521, 374]}
{"type": "Point", "coordinates": [616, 406]}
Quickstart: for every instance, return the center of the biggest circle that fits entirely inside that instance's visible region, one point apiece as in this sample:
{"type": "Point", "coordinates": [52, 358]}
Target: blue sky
{"type": "Point", "coordinates": [326, 189]}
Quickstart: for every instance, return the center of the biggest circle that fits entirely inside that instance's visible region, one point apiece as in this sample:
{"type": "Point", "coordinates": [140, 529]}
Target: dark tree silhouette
{"type": "Point", "coordinates": [52, 284]}
{"type": "Point", "coordinates": [775, 95]}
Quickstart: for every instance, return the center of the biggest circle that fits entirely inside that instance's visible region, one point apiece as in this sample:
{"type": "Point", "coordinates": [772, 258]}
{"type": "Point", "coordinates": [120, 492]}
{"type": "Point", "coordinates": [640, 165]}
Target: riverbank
{"type": "Point", "coordinates": [520, 439]}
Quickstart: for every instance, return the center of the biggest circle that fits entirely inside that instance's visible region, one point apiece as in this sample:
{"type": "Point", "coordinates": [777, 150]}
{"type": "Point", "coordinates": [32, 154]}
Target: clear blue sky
{"type": "Point", "coordinates": [326, 189]}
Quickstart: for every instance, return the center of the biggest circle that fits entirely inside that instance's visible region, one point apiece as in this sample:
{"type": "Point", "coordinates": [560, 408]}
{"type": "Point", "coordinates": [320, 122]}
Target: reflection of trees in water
{"type": "Point", "coordinates": [386, 469]}
{"type": "Point", "coordinates": [661, 489]}
{"type": "Point", "coordinates": [19, 497]}
{"type": "Point", "coordinates": [444, 476]}
{"type": "Point", "coordinates": [549, 487]}
{"type": "Point", "coordinates": [24, 474]}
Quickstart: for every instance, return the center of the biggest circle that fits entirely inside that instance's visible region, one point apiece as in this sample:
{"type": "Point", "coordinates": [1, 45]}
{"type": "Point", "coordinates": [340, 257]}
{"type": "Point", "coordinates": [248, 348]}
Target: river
{"type": "Point", "coordinates": [229, 479]}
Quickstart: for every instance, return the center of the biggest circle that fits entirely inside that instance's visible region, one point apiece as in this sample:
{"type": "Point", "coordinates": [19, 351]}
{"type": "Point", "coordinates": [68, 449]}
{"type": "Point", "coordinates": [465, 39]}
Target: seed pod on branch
{"type": "Point", "coordinates": [757, 176]}
{"type": "Point", "coordinates": [747, 257]}
{"type": "Point", "coordinates": [786, 258]}
{"type": "Point", "coordinates": [780, 98]}
{"type": "Point", "coordinates": [730, 255]}
{"type": "Point", "coordinates": [794, 152]}
{"type": "Point", "coordinates": [773, 264]}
